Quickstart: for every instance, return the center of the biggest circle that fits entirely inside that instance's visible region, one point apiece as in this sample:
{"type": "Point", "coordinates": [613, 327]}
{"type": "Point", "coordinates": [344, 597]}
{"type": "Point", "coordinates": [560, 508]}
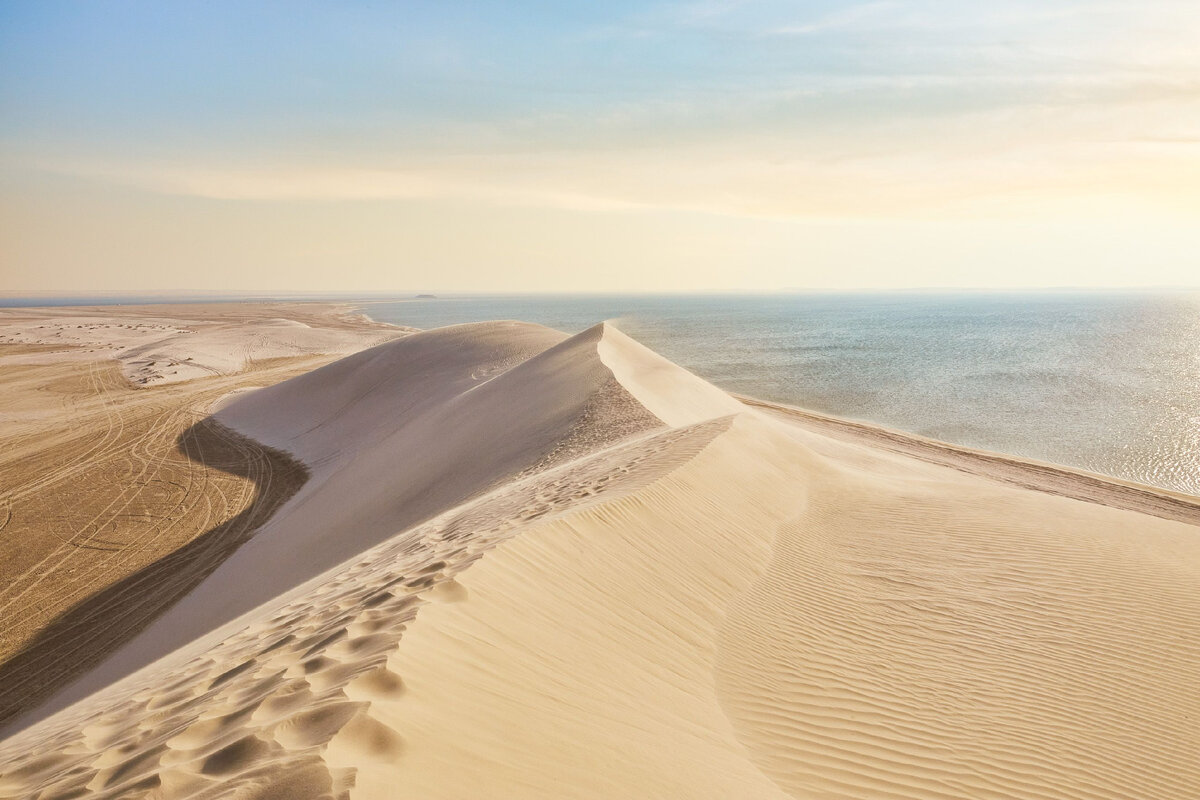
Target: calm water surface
{"type": "Point", "coordinates": [1108, 383]}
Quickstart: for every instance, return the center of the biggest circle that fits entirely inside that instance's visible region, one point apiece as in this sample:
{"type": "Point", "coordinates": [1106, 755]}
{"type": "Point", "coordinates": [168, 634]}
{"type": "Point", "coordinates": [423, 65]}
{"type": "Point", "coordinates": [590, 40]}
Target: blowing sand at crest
{"type": "Point", "coordinates": [531, 565]}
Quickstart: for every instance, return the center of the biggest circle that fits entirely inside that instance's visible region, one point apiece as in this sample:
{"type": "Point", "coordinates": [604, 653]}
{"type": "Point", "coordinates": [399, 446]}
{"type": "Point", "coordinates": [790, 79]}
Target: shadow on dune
{"type": "Point", "coordinates": [85, 634]}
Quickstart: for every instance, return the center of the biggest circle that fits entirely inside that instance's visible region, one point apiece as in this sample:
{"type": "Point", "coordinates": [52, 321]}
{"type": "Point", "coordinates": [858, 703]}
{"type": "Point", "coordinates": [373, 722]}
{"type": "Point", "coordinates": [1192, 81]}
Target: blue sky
{"type": "Point", "coordinates": [371, 145]}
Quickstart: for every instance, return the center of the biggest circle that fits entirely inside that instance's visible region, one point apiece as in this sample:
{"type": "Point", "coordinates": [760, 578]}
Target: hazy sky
{"type": "Point", "coordinates": [598, 146]}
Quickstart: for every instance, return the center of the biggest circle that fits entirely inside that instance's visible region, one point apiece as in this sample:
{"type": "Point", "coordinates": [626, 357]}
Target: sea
{"type": "Point", "coordinates": [1106, 382]}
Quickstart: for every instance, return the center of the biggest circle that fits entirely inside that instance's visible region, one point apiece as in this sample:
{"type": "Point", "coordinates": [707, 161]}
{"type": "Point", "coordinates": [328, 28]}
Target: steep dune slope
{"type": "Point", "coordinates": [769, 622]}
{"type": "Point", "coordinates": [598, 633]}
{"type": "Point", "coordinates": [530, 566]}
{"type": "Point", "coordinates": [395, 435]}
{"type": "Point", "coordinates": [674, 395]}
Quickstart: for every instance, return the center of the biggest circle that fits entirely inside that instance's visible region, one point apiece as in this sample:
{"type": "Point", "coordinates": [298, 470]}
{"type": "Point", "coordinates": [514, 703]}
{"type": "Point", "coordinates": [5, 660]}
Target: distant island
{"type": "Point", "coordinates": [427, 297]}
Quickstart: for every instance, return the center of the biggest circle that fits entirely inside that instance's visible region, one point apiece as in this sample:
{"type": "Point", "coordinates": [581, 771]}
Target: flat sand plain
{"type": "Point", "coordinates": [526, 565]}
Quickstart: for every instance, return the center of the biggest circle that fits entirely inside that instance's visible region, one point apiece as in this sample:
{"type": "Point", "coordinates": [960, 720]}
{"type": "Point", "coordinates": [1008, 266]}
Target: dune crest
{"type": "Point", "coordinates": [665, 389]}
{"type": "Point", "coordinates": [530, 565]}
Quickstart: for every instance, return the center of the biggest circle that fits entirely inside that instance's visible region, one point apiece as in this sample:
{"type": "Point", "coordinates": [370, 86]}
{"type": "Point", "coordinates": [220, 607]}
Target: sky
{"type": "Point", "coordinates": [719, 145]}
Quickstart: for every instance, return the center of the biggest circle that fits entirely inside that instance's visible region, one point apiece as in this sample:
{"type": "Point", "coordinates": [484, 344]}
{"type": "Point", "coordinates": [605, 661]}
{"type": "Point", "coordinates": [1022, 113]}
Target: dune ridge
{"type": "Point", "coordinates": [531, 565]}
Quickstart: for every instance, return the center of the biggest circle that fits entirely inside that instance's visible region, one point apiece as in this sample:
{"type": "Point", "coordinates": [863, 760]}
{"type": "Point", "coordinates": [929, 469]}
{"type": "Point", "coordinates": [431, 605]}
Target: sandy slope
{"type": "Point", "coordinates": [529, 566]}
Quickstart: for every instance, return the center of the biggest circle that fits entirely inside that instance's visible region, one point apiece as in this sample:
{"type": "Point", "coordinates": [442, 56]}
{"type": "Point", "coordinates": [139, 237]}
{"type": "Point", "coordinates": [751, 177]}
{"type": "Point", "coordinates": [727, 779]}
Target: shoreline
{"type": "Point", "coordinates": [1065, 480]}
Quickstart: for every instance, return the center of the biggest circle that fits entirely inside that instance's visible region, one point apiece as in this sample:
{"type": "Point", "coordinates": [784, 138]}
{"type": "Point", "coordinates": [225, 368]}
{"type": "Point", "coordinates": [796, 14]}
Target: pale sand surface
{"type": "Point", "coordinates": [527, 565]}
{"type": "Point", "coordinates": [173, 343]}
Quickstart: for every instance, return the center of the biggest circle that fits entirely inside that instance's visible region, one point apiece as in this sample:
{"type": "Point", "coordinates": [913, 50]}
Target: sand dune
{"type": "Point", "coordinates": [527, 565]}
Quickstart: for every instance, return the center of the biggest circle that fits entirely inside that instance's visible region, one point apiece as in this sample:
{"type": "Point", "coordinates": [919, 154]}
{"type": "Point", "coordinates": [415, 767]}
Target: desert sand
{"type": "Point", "coordinates": [522, 565]}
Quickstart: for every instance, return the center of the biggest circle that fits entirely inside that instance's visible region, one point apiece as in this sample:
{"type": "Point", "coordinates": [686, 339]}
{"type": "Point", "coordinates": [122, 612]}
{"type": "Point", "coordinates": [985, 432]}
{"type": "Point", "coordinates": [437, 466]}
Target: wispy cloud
{"type": "Point", "coordinates": [975, 172]}
{"type": "Point", "coordinates": [742, 114]}
{"type": "Point", "coordinates": [875, 108]}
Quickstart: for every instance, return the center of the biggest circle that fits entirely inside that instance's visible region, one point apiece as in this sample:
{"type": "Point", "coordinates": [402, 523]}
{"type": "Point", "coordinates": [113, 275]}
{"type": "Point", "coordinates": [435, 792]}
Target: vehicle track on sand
{"type": "Point", "coordinates": [101, 381]}
{"type": "Point", "coordinates": [115, 507]}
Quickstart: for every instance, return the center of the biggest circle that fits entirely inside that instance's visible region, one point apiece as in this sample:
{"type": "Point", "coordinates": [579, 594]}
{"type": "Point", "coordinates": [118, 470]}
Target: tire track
{"type": "Point", "coordinates": [228, 506]}
{"type": "Point", "coordinates": [124, 488]}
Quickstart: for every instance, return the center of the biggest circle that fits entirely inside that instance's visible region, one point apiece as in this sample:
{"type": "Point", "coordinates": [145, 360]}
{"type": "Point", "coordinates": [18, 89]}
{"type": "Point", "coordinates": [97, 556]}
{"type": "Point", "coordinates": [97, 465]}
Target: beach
{"type": "Point", "coordinates": [281, 550]}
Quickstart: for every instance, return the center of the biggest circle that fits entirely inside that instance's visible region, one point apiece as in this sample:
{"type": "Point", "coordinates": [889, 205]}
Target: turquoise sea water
{"type": "Point", "coordinates": [1106, 382]}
